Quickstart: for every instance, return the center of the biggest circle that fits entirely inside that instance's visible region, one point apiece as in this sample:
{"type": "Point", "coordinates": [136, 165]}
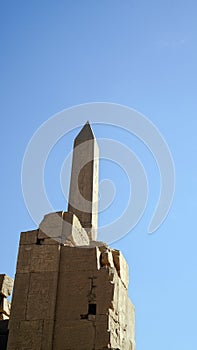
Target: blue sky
{"type": "Point", "coordinates": [57, 54]}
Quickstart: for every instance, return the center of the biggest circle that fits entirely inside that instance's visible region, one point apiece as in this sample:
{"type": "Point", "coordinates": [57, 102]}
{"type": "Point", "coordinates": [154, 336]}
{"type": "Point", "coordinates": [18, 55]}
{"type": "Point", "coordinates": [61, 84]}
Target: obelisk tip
{"type": "Point", "coordinates": [85, 134]}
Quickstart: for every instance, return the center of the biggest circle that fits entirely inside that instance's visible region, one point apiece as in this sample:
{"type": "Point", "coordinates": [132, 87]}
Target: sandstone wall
{"type": "Point", "coordinates": [70, 298]}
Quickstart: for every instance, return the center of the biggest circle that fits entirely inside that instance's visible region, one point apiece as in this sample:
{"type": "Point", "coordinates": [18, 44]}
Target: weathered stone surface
{"type": "Point", "coordinates": [6, 285]}
{"type": "Point", "coordinates": [73, 231]}
{"type": "Point", "coordinates": [79, 259]}
{"type": "Point", "coordinates": [29, 237]}
{"type": "Point", "coordinates": [45, 258]}
{"type": "Point", "coordinates": [72, 308]}
{"type": "Point", "coordinates": [45, 240]}
{"type": "Point", "coordinates": [106, 258]}
{"type": "Point", "coordinates": [51, 225]}
{"type": "Point", "coordinates": [38, 258]}
{"type": "Point", "coordinates": [74, 335]}
{"type": "Point", "coordinates": [121, 267]}
{"type": "Point", "coordinates": [120, 296]}
{"type": "Point", "coordinates": [24, 258]}
{"type": "Point", "coordinates": [20, 295]}
{"type": "Point", "coordinates": [14, 335]}
{"type": "Point", "coordinates": [47, 335]}
{"type": "Point", "coordinates": [25, 335]}
{"type": "Point", "coordinates": [106, 329]}
{"type": "Point", "coordinates": [42, 296]}
{"type": "Point", "coordinates": [74, 291]}
{"type": "Point", "coordinates": [104, 290]}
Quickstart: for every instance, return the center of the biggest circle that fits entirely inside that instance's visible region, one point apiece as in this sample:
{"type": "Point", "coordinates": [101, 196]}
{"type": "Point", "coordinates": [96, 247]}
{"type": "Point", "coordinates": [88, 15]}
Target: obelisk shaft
{"type": "Point", "coordinates": [83, 195]}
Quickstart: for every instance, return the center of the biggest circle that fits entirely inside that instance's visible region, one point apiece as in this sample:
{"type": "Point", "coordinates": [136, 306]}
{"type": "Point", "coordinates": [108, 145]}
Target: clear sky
{"type": "Point", "coordinates": [143, 54]}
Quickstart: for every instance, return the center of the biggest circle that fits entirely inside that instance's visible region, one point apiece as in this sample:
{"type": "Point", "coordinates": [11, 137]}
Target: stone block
{"type": "Point", "coordinates": [29, 237]}
{"type": "Point", "coordinates": [104, 290]}
{"type": "Point", "coordinates": [73, 231]}
{"type": "Point", "coordinates": [47, 335]}
{"type": "Point", "coordinates": [123, 313]}
{"type": "Point", "coordinates": [74, 335]}
{"type": "Point", "coordinates": [72, 308]}
{"type": "Point", "coordinates": [104, 299]}
{"type": "Point", "coordinates": [41, 296]}
{"type": "Point", "coordinates": [106, 258]}
{"type": "Point", "coordinates": [121, 266]}
{"type": "Point", "coordinates": [45, 258]}
{"type": "Point", "coordinates": [24, 258]}
{"type": "Point", "coordinates": [79, 259]}
{"type": "Point", "coordinates": [14, 335]}
{"type": "Point", "coordinates": [25, 335]}
{"type": "Point", "coordinates": [103, 332]}
{"type": "Point", "coordinates": [20, 294]}
{"type": "Point", "coordinates": [75, 283]}
{"type": "Point", "coordinates": [120, 296]}
{"type": "Point", "coordinates": [46, 240]}
{"type": "Point", "coordinates": [38, 258]}
{"type": "Point", "coordinates": [51, 225]}
{"type": "Point", "coordinates": [6, 285]}
{"type": "Point", "coordinates": [74, 290]}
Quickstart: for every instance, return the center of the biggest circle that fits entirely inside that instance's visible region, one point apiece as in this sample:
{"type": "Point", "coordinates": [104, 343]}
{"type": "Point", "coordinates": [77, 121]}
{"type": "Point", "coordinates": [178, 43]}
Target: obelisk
{"type": "Point", "coordinates": [83, 196]}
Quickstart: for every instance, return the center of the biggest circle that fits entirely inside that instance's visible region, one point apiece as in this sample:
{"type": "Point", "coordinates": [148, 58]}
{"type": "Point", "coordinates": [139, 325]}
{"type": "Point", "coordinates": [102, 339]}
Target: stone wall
{"type": "Point", "coordinates": [70, 297]}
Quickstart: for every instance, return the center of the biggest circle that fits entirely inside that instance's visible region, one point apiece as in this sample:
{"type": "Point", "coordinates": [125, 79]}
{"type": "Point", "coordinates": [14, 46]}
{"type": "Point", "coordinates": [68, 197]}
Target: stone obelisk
{"type": "Point", "coordinates": [71, 292]}
{"type": "Point", "coordinates": [83, 196]}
